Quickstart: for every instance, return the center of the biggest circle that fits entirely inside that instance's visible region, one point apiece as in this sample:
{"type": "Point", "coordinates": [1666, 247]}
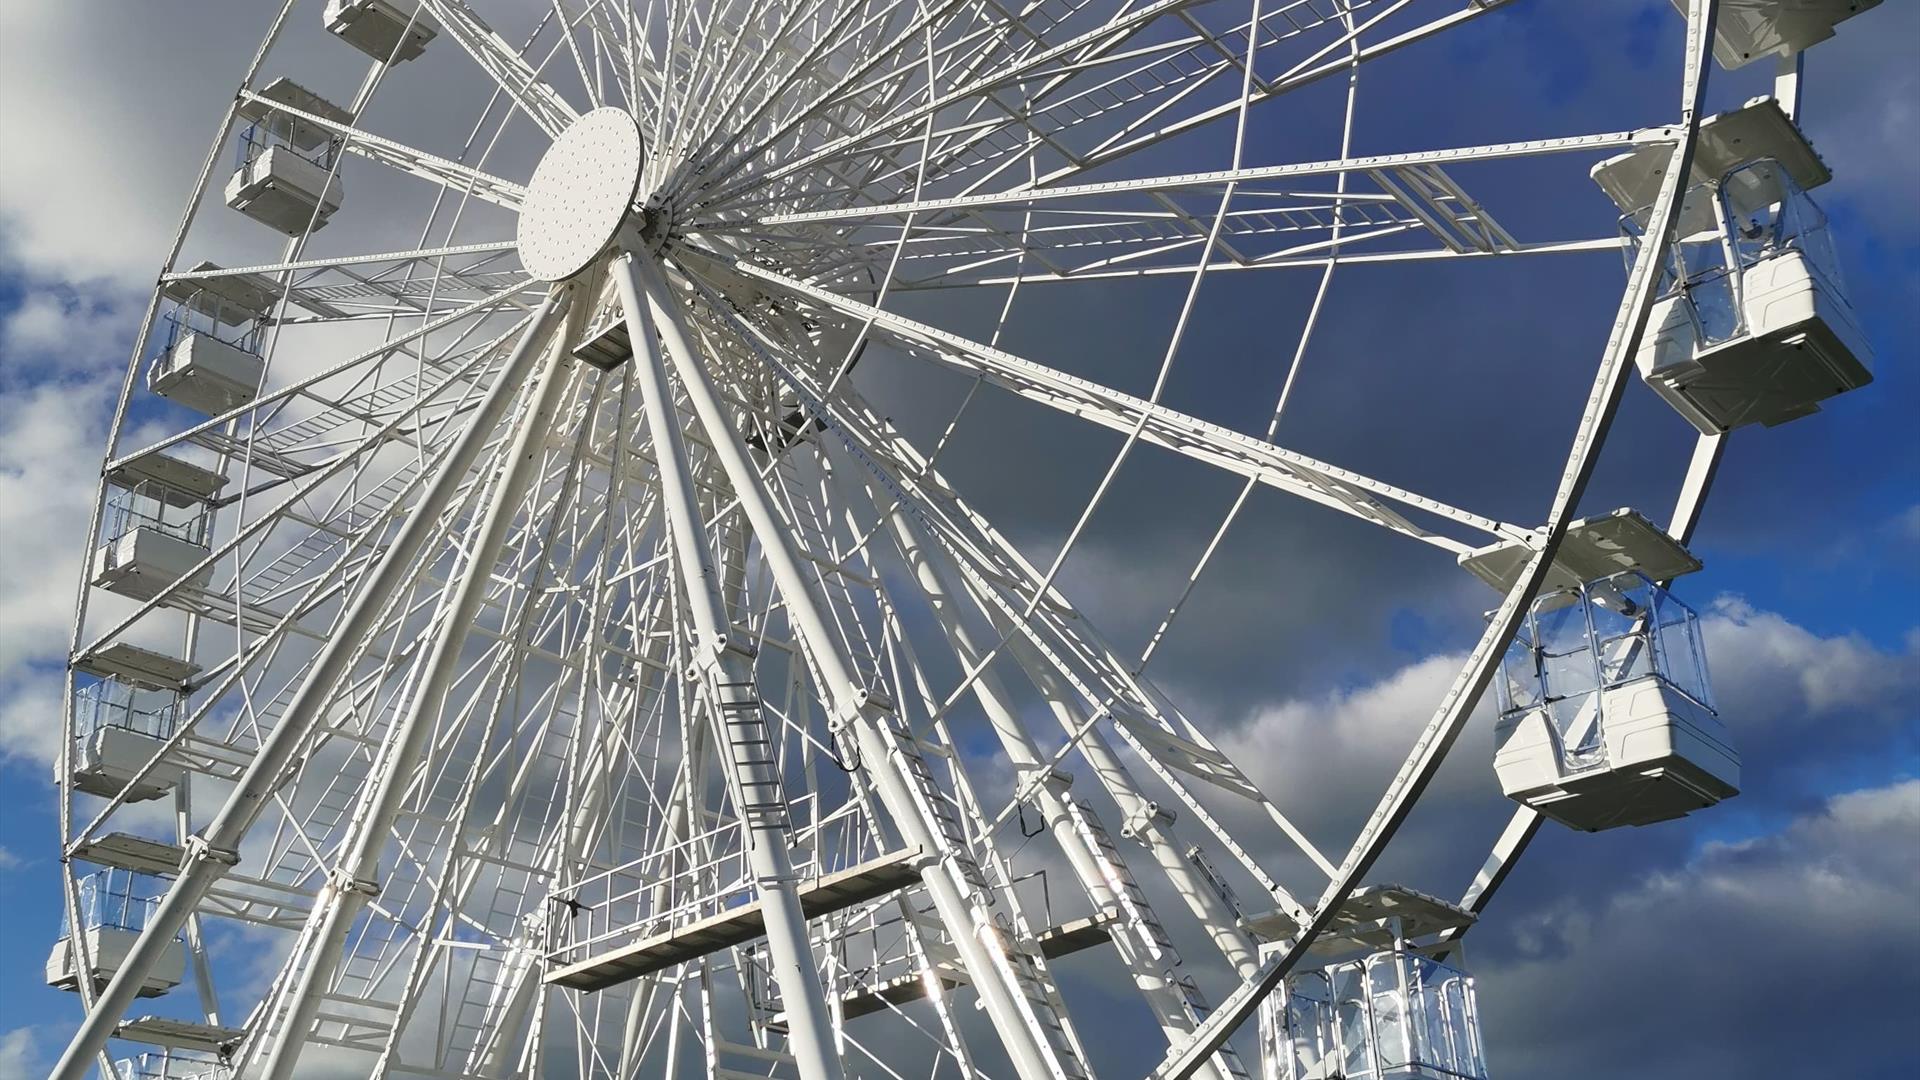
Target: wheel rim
{"type": "Point", "coordinates": [552, 769]}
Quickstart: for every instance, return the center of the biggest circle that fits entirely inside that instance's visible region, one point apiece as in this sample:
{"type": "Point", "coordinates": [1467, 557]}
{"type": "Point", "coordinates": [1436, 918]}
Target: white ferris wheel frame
{"type": "Point", "coordinates": [951, 550]}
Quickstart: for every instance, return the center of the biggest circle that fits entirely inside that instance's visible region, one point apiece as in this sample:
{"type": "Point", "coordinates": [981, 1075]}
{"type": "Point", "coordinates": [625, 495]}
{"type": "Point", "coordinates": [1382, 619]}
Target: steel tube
{"type": "Point", "coordinates": [210, 856]}
{"type": "Point", "coordinates": [810, 1036]}
{"type": "Point", "coordinates": [971, 927]}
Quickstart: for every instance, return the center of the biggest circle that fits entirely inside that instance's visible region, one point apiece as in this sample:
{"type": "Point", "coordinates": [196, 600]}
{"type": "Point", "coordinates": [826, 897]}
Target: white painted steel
{"type": "Point", "coordinates": [580, 194]}
{"type": "Point", "coordinates": [488, 661]}
{"type": "Point", "coordinates": [727, 674]}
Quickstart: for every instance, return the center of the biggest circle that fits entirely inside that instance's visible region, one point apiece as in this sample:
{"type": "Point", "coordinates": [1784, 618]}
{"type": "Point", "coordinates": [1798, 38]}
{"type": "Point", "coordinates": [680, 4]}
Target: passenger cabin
{"type": "Point", "coordinates": [206, 374]}
{"type": "Point", "coordinates": [1752, 323]}
{"type": "Point", "coordinates": [1605, 714]}
{"type": "Point", "coordinates": [1606, 718]}
{"type": "Point", "coordinates": [155, 527]}
{"type": "Point", "coordinates": [117, 729]}
{"type": "Point", "coordinates": [121, 720]}
{"type": "Point", "coordinates": [285, 179]}
{"type": "Point", "coordinates": [114, 907]}
{"type": "Point", "coordinates": [1389, 1010]}
{"type": "Point", "coordinates": [391, 31]}
{"type": "Point", "coordinates": [210, 358]}
{"type": "Point", "coordinates": [1748, 30]}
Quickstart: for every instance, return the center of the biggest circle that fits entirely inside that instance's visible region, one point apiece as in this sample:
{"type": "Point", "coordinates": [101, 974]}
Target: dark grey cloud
{"type": "Point", "coordinates": [1789, 955]}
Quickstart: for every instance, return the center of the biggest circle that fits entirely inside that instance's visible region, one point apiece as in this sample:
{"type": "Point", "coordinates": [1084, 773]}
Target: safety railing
{"type": "Point", "coordinates": [1391, 1016]}
{"type": "Point", "coordinates": [1748, 216]}
{"type": "Point", "coordinates": [110, 703]}
{"type": "Point", "coordinates": [693, 879]}
{"type": "Point", "coordinates": [143, 507]}
{"type": "Point", "coordinates": [116, 899]}
{"type": "Point", "coordinates": [170, 1065]}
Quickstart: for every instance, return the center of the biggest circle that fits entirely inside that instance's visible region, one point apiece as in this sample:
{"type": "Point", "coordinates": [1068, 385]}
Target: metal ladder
{"type": "Point", "coordinates": [1135, 909]}
{"type": "Point", "coordinates": [938, 805]}
{"type": "Point", "coordinates": [754, 766]}
{"type": "Point", "coordinates": [1137, 913]}
{"type": "Point", "coordinates": [1041, 1002]}
{"type": "Point", "coordinates": [1046, 1012]}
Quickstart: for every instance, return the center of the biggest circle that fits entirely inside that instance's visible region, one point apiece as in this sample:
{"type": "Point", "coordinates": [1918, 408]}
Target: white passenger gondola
{"type": "Point", "coordinates": [126, 704]}
{"type": "Point", "coordinates": [1605, 714]}
{"type": "Point", "coordinates": [286, 176]}
{"type": "Point", "coordinates": [206, 373]}
{"type": "Point", "coordinates": [210, 359]}
{"type": "Point", "coordinates": [118, 727]}
{"type": "Point", "coordinates": [1392, 1012]}
{"type": "Point", "coordinates": [155, 528]}
{"type": "Point", "coordinates": [1753, 324]}
{"type": "Point", "coordinates": [114, 907]}
{"type": "Point", "coordinates": [393, 31]}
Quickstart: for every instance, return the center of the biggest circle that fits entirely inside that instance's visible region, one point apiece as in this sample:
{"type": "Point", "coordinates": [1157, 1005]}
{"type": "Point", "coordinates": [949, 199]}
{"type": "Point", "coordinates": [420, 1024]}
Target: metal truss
{"type": "Point", "coordinates": [590, 677]}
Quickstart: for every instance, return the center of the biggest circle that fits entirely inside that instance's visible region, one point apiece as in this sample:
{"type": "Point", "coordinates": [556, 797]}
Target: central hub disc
{"type": "Point", "coordinates": [580, 194]}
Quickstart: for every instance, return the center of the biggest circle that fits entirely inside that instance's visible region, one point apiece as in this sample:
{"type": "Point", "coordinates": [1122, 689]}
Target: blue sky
{"type": "Point", "coordinates": [1775, 936]}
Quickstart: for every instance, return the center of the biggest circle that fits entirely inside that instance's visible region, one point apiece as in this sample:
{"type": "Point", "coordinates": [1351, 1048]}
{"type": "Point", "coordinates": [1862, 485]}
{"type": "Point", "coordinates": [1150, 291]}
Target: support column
{"type": "Point", "coordinates": [355, 881]}
{"type": "Point", "coordinates": [978, 940]}
{"type": "Point", "coordinates": [739, 732]}
{"type": "Point", "coordinates": [1162, 996]}
{"type": "Point", "coordinates": [210, 856]}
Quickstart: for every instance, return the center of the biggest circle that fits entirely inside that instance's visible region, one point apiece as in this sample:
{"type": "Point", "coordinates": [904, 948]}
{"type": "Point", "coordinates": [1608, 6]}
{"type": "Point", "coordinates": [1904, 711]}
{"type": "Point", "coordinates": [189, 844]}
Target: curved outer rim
{"type": "Point", "coordinates": [113, 435]}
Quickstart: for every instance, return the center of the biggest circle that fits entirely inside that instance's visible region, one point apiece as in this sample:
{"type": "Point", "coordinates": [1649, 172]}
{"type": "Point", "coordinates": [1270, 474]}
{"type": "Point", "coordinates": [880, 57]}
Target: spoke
{"type": "Point", "coordinates": [276, 269]}
{"type": "Point", "coordinates": [1331, 486]}
{"type": "Point", "coordinates": [1163, 72]}
{"type": "Point", "coordinates": [451, 175]}
{"type": "Point", "coordinates": [521, 83]}
{"type": "Point", "coordinates": [1001, 76]}
{"type": "Point", "coordinates": [1248, 174]}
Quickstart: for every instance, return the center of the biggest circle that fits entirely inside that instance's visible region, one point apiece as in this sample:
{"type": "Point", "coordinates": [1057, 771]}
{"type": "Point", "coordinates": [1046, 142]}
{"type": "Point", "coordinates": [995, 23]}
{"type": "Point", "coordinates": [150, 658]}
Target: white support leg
{"type": "Point", "coordinates": [1034, 1054]}
{"type": "Point", "coordinates": [1089, 865]}
{"type": "Point", "coordinates": [727, 674]}
{"type": "Point", "coordinates": [210, 857]}
{"type": "Point", "coordinates": [356, 880]}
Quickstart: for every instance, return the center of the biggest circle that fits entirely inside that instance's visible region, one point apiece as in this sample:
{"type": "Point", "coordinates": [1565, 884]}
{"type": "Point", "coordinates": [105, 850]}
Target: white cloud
{"type": "Point", "coordinates": [1775, 679]}
{"type": "Point", "coordinates": [1315, 750]}
{"type": "Point", "coordinates": [50, 442]}
{"type": "Point", "coordinates": [18, 1055]}
{"type": "Point", "coordinates": [105, 124]}
{"type": "Point", "coordinates": [59, 333]}
{"type": "Point", "coordinates": [1875, 151]}
{"type": "Point", "coordinates": [1801, 708]}
{"type": "Point", "coordinates": [1906, 524]}
{"type": "Point", "coordinates": [51, 437]}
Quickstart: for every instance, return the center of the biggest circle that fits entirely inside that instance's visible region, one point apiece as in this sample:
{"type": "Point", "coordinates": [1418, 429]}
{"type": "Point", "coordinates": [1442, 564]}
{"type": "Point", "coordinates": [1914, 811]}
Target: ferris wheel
{"type": "Point", "coordinates": [547, 657]}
